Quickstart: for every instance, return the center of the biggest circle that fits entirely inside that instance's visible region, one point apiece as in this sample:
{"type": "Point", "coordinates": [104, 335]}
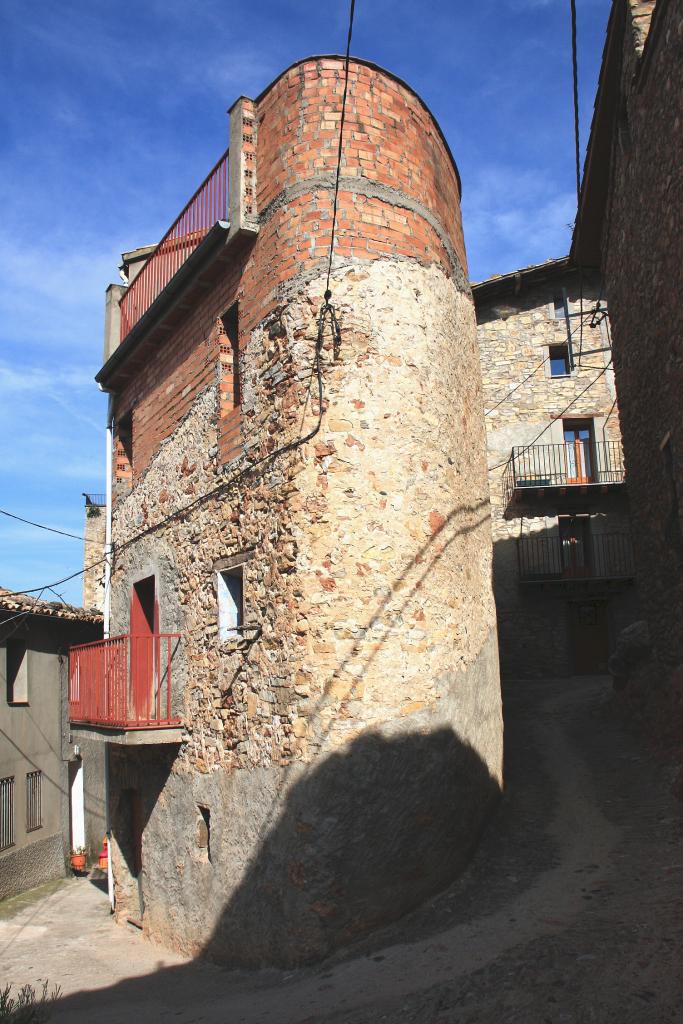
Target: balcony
{"type": "Point", "coordinates": [606, 557]}
{"type": "Point", "coordinates": [122, 688]}
{"type": "Point", "coordinates": [207, 206]}
{"type": "Point", "coordinates": [534, 470]}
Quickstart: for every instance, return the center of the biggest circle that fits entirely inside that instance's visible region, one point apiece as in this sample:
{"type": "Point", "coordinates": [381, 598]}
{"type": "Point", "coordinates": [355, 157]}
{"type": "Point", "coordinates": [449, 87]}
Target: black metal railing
{"type": "Point", "coordinates": [100, 500]}
{"type": "Point", "coordinates": [604, 556]}
{"type": "Point", "coordinates": [574, 463]}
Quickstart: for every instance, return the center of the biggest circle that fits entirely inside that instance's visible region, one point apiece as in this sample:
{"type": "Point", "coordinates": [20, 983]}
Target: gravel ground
{"type": "Point", "coordinates": [569, 912]}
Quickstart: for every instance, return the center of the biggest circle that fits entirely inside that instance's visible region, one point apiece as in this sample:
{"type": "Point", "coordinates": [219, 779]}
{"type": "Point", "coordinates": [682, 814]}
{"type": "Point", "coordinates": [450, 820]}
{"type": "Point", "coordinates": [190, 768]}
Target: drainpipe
{"type": "Point", "coordinates": [107, 618]}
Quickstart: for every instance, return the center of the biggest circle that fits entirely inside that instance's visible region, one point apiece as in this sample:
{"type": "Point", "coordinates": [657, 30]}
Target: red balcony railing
{"type": "Point", "coordinates": [125, 682]}
{"type": "Point", "coordinates": [208, 205]}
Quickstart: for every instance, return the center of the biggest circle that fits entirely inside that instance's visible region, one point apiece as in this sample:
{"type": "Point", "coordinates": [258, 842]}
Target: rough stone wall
{"type": "Point", "coordinates": [644, 280]}
{"type": "Point", "coordinates": [369, 701]}
{"type": "Point", "coordinates": [514, 333]}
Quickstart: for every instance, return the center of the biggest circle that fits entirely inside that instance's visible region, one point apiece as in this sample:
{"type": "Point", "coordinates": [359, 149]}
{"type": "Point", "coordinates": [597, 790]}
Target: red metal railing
{"type": "Point", "coordinates": [124, 682]}
{"type": "Point", "coordinates": [208, 205]}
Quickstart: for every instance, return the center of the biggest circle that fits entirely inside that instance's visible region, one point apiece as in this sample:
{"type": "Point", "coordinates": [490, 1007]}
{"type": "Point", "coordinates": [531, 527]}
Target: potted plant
{"type": "Point", "coordinates": [78, 855]}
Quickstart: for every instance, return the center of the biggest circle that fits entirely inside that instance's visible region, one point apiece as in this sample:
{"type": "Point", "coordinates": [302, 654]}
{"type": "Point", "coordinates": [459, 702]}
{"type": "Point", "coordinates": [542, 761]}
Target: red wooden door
{"type": "Point", "coordinates": [144, 617]}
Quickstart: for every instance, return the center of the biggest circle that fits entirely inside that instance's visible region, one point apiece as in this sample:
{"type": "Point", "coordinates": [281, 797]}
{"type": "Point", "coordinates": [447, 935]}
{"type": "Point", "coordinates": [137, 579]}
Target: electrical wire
{"type": "Point", "coordinates": [517, 386]}
{"type": "Point", "coordinates": [574, 400]}
{"type": "Point", "coordinates": [327, 316]}
{"type": "Point", "coordinates": [40, 526]}
{"type": "Point", "coordinates": [339, 153]}
{"type": "Point", "coordinates": [577, 157]}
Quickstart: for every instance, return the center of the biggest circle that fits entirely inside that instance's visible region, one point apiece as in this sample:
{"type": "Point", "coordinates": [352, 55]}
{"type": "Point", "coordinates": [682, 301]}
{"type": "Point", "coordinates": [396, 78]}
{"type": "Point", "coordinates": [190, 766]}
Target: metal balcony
{"type": "Point", "coordinates": [124, 685]}
{"type": "Point", "coordinates": [535, 469]}
{"type": "Point", "coordinates": [207, 206]}
{"type": "Point", "coordinates": [603, 556]}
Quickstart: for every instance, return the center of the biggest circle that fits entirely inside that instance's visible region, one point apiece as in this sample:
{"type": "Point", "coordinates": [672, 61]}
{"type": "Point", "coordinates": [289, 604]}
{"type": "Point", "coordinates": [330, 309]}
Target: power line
{"type": "Point", "coordinates": [40, 526]}
{"type": "Point", "coordinates": [339, 153]}
{"type": "Point", "coordinates": [577, 157]}
{"type": "Point", "coordinates": [516, 388]}
{"type": "Point", "coordinates": [526, 447]}
{"type": "Point", "coordinates": [327, 316]}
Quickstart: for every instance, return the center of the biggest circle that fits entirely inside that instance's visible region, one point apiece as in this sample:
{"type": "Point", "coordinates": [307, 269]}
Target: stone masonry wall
{"type": "Point", "coordinates": [515, 332]}
{"type": "Point", "coordinates": [644, 280]}
{"type": "Point", "coordinates": [349, 753]}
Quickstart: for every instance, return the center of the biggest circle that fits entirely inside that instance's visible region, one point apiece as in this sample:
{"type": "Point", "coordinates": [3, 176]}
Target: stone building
{"type": "Point", "coordinates": [562, 561]}
{"type": "Point", "coordinates": [631, 227]}
{"type": "Point", "coordinates": [302, 706]}
{"type": "Point", "coordinates": [51, 792]}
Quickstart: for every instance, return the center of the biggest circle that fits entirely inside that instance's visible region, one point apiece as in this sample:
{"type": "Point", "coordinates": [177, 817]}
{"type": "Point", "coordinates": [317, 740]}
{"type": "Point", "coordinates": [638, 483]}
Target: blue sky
{"type": "Point", "coordinates": [112, 117]}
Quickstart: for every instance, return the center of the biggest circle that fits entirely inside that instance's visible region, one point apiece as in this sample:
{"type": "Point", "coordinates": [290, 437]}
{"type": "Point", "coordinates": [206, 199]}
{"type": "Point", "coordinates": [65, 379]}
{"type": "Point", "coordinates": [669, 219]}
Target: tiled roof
{"type": "Point", "coordinates": [11, 602]}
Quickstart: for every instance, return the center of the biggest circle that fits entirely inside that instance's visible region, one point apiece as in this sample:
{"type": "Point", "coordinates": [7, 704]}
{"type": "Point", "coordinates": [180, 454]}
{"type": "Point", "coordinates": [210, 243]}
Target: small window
{"type": "Point", "coordinates": [230, 602]}
{"type": "Point", "coordinates": [230, 357]}
{"type": "Point", "coordinates": [204, 831]}
{"type": "Point", "coordinates": [124, 448]}
{"type": "Point", "coordinates": [559, 306]}
{"type": "Point", "coordinates": [34, 801]}
{"type": "Point", "coordinates": [17, 672]}
{"type": "Point", "coordinates": [6, 813]}
{"type": "Point", "coordinates": [559, 361]}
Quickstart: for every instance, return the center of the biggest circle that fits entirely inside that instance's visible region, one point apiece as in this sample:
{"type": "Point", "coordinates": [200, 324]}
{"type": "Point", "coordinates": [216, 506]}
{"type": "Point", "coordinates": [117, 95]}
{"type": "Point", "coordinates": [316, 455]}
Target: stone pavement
{"type": "Point", "coordinates": [569, 912]}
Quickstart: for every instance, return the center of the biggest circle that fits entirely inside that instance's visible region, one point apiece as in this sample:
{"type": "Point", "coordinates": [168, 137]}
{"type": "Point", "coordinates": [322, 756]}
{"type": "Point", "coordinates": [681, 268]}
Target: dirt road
{"type": "Point", "coordinates": [571, 911]}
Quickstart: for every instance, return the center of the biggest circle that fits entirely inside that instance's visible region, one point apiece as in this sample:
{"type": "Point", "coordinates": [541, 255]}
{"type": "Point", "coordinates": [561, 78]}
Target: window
{"type": "Point", "coordinates": [17, 672]}
{"type": "Point", "coordinates": [230, 602]}
{"type": "Point", "coordinates": [124, 448]}
{"type": "Point", "coordinates": [575, 545]}
{"type": "Point", "coordinates": [34, 801]}
{"type": "Point", "coordinates": [6, 813]}
{"type": "Point", "coordinates": [230, 354]}
{"type": "Point", "coordinates": [204, 831]}
{"type": "Point", "coordinates": [559, 309]}
{"type": "Point", "coordinates": [559, 361]}
{"type": "Point", "coordinates": [578, 450]}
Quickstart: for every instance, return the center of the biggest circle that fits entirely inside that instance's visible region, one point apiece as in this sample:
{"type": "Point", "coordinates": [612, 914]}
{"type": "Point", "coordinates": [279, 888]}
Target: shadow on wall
{"type": "Point", "coordinates": [561, 602]}
{"type": "Point", "coordinates": [364, 837]}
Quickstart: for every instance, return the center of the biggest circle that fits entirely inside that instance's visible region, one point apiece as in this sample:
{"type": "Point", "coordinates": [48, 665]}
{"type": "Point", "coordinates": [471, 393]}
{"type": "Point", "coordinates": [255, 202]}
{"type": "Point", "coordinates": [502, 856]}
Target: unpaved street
{"type": "Point", "coordinates": [571, 911]}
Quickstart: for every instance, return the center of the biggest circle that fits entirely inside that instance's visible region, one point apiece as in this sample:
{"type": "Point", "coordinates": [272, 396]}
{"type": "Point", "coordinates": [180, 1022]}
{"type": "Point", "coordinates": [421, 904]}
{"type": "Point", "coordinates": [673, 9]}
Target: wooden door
{"type": "Point", "coordinates": [590, 637]}
{"type": "Point", "coordinates": [578, 449]}
{"type": "Point", "coordinates": [575, 543]}
{"type": "Point", "coordinates": [144, 617]}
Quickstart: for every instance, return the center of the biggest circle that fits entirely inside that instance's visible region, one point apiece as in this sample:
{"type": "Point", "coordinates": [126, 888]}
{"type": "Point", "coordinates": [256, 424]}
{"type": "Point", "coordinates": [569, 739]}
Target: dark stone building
{"type": "Point", "coordinates": [631, 226]}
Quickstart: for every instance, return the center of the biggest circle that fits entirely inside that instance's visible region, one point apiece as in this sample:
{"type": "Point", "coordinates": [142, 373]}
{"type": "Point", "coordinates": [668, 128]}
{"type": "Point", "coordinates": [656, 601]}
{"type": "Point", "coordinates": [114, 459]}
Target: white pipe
{"type": "Point", "coordinates": [106, 612]}
{"type": "Point", "coordinates": [108, 517]}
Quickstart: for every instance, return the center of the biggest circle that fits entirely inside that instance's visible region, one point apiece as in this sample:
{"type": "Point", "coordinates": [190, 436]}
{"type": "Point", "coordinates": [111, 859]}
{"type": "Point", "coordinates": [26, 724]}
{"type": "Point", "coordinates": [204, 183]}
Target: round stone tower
{"type": "Point", "coordinates": [350, 749]}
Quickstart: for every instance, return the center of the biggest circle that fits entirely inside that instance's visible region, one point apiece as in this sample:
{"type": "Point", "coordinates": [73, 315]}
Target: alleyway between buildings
{"type": "Point", "coordinates": [571, 910]}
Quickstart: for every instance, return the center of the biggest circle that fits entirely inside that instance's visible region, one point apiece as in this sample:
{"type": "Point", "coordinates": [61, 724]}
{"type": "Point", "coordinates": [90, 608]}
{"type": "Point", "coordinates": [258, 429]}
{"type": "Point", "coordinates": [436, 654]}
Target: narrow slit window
{"type": "Point", "coordinates": [230, 603]}
{"type": "Point", "coordinates": [558, 306]}
{"type": "Point", "coordinates": [204, 831]}
{"type": "Point", "coordinates": [559, 361]}
{"type": "Point", "coordinates": [34, 801]}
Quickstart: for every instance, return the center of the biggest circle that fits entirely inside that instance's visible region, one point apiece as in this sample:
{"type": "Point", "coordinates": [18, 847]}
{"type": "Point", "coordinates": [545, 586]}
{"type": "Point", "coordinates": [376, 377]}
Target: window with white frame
{"type": "Point", "coordinates": [230, 585]}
